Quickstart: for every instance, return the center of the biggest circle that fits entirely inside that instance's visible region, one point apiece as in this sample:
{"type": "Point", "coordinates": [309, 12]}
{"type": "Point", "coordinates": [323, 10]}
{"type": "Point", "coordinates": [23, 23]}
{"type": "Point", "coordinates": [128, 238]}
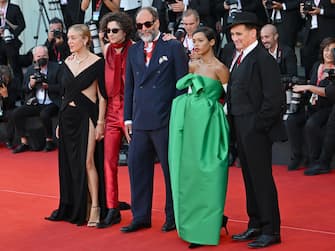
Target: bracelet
{"type": "Point", "coordinates": [99, 122]}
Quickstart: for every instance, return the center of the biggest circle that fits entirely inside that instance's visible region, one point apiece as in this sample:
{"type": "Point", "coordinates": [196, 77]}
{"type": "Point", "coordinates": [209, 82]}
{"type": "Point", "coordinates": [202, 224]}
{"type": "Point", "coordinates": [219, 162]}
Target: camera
{"type": "Point", "coordinates": [180, 32]}
{"type": "Point", "coordinates": [233, 9]}
{"type": "Point", "coordinates": [95, 37]}
{"type": "Point", "coordinates": [57, 33]}
{"type": "Point", "coordinates": [293, 99]}
{"type": "Point", "coordinates": [7, 35]}
{"type": "Point", "coordinates": [39, 76]}
{"type": "Point", "coordinates": [308, 5]}
{"type": "Point", "coordinates": [268, 4]}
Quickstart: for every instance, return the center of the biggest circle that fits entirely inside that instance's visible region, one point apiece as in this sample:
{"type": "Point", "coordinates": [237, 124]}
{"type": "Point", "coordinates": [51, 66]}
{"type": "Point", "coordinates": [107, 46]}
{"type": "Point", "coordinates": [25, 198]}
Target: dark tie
{"type": "Point", "coordinates": [238, 60]}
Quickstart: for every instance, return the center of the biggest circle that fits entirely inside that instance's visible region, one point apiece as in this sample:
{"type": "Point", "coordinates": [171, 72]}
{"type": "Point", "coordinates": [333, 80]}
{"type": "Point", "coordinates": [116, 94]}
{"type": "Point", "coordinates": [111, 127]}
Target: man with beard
{"type": "Point", "coordinates": [153, 68]}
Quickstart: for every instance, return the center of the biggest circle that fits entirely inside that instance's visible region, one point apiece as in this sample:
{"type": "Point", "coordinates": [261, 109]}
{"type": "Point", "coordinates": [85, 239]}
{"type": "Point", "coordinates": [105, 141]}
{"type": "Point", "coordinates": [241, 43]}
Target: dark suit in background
{"type": "Point", "coordinates": [149, 92]}
{"type": "Point", "coordinates": [288, 22]}
{"type": "Point", "coordinates": [9, 50]}
{"type": "Point", "coordinates": [313, 37]}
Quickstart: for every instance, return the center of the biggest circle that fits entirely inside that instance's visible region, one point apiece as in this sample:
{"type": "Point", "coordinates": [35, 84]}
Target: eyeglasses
{"type": "Point", "coordinates": [147, 24]}
{"type": "Point", "coordinates": [114, 30]}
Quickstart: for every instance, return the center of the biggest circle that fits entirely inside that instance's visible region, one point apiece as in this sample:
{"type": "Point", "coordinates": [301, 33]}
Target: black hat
{"type": "Point", "coordinates": [244, 18]}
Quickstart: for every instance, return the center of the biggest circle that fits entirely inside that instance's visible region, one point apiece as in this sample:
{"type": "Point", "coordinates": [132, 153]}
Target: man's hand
{"type": "Point", "coordinates": [32, 81]}
{"type": "Point", "coordinates": [178, 6]}
{"type": "Point", "coordinates": [315, 11]}
{"type": "Point", "coordinates": [277, 5]}
{"type": "Point", "coordinates": [3, 91]}
{"type": "Point", "coordinates": [128, 132]}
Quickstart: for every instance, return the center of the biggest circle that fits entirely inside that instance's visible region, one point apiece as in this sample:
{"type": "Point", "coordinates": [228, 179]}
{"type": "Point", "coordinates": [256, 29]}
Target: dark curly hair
{"type": "Point", "coordinates": [125, 22]}
{"type": "Point", "coordinates": [325, 42]}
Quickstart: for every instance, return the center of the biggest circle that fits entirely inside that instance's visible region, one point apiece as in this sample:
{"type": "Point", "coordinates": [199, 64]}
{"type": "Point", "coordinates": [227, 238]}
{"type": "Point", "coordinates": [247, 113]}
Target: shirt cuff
{"type": "Point", "coordinates": [284, 6]}
{"type": "Point", "coordinates": [322, 11]}
{"type": "Point", "coordinates": [128, 122]}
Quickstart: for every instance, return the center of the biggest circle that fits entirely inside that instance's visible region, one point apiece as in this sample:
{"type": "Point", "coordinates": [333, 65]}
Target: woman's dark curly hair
{"type": "Point", "coordinates": [325, 42]}
{"type": "Point", "coordinates": [125, 22]}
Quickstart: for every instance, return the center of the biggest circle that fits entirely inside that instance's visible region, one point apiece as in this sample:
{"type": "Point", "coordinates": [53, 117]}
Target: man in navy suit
{"type": "Point", "coordinates": [153, 68]}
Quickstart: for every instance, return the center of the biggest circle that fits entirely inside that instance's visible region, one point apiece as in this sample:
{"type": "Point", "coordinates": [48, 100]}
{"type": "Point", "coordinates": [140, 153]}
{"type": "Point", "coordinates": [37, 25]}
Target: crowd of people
{"type": "Point", "coordinates": [166, 85]}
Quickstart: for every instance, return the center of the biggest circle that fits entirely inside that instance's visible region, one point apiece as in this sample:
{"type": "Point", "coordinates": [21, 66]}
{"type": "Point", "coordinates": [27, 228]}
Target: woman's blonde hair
{"type": "Point", "coordinates": [84, 32]}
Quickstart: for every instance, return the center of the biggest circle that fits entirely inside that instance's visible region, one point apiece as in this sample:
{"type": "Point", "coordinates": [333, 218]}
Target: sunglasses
{"type": "Point", "coordinates": [147, 24]}
{"type": "Point", "coordinates": [114, 30]}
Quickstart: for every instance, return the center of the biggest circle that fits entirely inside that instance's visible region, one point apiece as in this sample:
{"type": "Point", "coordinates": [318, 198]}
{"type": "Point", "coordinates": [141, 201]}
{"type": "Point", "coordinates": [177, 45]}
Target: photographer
{"type": "Point", "coordinates": [319, 16]}
{"type": "Point", "coordinates": [56, 42]}
{"type": "Point", "coordinates": [8, 97]}
{"type": "Point", "coordinates": [284, 14]}
{"type": "Point", "coordinates": [322, 165]}
{"type": "Point", "coordinates": [42, 86]}
{"type": "Point", "coordinates": [283, 54]}
{"type": "Point", "coordinates": [12, 24]}
{"type": "Point", "coordinates": [308, 127]}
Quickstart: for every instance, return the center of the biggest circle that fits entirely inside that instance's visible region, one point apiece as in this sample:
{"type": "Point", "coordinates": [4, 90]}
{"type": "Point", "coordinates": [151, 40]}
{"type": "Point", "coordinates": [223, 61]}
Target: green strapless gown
{"type": "Point", "coordinates": [198, 159]}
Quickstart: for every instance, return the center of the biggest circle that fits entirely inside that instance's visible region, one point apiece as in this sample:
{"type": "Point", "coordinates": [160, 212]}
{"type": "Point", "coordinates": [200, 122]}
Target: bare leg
{"type": "Point", "coordinates": [92, 178]}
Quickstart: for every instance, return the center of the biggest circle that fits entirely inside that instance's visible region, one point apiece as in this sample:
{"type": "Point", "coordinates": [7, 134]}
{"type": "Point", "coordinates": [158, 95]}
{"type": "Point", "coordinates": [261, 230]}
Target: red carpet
{"type": "Point", "coordinates": [29, 191]}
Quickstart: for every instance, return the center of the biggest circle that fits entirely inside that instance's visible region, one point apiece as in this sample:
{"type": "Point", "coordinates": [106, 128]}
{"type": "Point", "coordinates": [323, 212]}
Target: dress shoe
{"type": "Point", "coordinates": [113, 217]}
{"type": "Point", "coordinates": [250, 234]}
{"type": "Point", "coordinates": [49, 146]}
{"type": "Point", "coordinates": [294, 164]}
{"type": "Point", "coordinates": [317, 169]}
{"type": "Point", "coordinates": [21, 148]}
{"type": "Point", "coordinates": [124, 205]}
{"type": "Point", "coordinates": [194, 245]}
{"type": "Point", "coordinates": [133, 227]}
{"type": "Point", "coordinates": [265, 240]}
{"type": "Point", "coordinates": [168, 226]}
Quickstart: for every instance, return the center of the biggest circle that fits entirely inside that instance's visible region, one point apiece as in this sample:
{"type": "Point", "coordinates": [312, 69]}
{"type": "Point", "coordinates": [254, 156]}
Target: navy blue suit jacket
{"type": "Point", "coordinates": [149, 91]}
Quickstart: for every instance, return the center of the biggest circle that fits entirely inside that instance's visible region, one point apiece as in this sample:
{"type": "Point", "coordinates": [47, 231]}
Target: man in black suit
{"type": "Point", "coordinates": [284, 14]}
{"type": "Point", "coordinates": [283, 54]}
{"type": "Point", "coordinates": [12, 24]}
{"type": "Point", "coordinates": [42, 85]}
{"type": "Point", "coordinates": [255, 102]}
{"type": "Point", "coordinates": [318, 25]}
{"type": "Point", "coordinates": [153, 68]}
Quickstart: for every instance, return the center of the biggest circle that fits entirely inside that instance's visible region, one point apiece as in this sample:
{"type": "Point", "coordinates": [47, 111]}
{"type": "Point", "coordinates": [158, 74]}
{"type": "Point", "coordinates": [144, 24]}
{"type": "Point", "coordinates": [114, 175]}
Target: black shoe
{"type": "Point", "coordinates": [21, 148]}
{"type": "Point", "coordinates": [224, 223]}
{"type": "Point", "coordinates": [49, 146]}
{"type": "Point", "coordinates": [317, 169]}
{"type": "Point", "coordinates": [294, 164]}
{"type": "Point", "coordinates": [9, 145]}
{"type": "Point", "coordinates": [124, 205]}
{"type": "Point", "coordinates": [53, 216]}
{"type": "Point", "coordinates": [113, 217]}
{"type": "Point", "coordinates": [194, 245]}
{"type": "Point", "coordinates": [168, 226]}
{"type": "Point", "coordinates": [250, 234]}
{"type": "Point", "coordinates": [133, 227]}
{"type": "Point", "coordinates": [265, 240]}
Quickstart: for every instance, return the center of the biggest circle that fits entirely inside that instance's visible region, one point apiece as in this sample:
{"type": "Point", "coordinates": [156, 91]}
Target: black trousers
{"type": "Point", "coordinates": [45, 112]}
{"type": "Point", "coordinates": [328, 148]}
{"type": "Point", "coordinates": [255, 153]}
{"type": "Point", "coordinates": [307, 129]}
{"type": "Point", "coordinates": [310, 51]}
{"type": "Point", "coordinates": [9, 55]}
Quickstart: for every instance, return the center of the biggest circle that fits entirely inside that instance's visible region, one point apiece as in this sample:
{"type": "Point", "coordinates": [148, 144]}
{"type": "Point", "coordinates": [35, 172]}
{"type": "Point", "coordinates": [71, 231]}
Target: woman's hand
{"type": "Point", "coordinates": [99, 130]}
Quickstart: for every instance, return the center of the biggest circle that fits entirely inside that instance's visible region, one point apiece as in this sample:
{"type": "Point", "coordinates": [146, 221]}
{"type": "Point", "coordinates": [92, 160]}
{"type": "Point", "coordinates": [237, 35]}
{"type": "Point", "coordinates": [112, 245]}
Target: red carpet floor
{"type": "Point", "coordinates": [29, 191]}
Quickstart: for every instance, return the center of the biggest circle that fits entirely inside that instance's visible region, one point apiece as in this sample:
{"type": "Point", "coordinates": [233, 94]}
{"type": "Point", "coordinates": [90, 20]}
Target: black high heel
{"type": "Point", "coordinates": [224, 223]}
{"type": "Point", "coordinates": [194, 245]}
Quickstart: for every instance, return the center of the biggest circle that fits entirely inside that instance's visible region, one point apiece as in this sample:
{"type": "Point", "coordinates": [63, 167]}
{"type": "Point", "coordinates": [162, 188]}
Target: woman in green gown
{"type": "Point", "coordinates": [198, 146]}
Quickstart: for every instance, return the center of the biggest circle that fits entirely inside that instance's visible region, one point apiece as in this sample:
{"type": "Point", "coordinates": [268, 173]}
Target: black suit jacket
{"type": "Point", "coordinates": [326, 27]}
{"type": "Point", "coordinates": [54, 86]}
{"type": "Point", "coordinates": [286, 60]}
{"type": "Point", "coordinates": [15, 16]}
{"type": "Point", "coordinates": [258, 77]}
{"type": "Point", "coordinates": [206, 10]}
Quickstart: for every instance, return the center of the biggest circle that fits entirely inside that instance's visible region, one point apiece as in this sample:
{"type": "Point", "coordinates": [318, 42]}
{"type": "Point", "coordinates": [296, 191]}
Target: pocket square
{"type": "Point", "coordinates": [162, 59]}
